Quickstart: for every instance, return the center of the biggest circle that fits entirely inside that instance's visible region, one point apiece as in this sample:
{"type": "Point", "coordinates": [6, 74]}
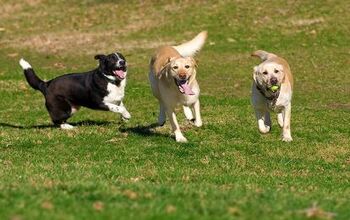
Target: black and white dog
{"type": "Point", "coordinates": [101, 88]}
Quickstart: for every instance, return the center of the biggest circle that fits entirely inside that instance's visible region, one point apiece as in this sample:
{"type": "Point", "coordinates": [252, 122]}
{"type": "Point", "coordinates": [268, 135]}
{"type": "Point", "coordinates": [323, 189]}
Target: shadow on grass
{"type": "Point", "coordinates": [144, 130]}
{"type": "Point", "coordinates": [80, 123]}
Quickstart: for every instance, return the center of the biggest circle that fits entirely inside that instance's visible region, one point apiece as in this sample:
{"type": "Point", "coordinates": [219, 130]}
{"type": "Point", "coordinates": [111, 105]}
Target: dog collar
{"type": "Point", "coordinates": [111, 78]}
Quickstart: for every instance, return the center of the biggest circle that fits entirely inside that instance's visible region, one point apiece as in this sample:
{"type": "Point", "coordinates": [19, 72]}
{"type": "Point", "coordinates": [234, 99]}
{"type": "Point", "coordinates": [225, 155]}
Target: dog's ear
{"type": "Point", "coordinates": [102, 64]}
{"type": "Point", "coordinates": [194, 62]}
{"type": "Point", "coordinates": [100, 57]}
{"type": "Point", "coordinates": [164, 69]}
{"type": "Point", "coordinates": [255, 72]}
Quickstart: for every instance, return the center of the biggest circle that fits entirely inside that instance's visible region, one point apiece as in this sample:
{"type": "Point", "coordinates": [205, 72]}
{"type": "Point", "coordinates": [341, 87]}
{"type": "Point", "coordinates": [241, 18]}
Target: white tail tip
{"type": "Point", "coordinates": [24, 64]}
{"type": "Point", "coordinates": [190, 48]}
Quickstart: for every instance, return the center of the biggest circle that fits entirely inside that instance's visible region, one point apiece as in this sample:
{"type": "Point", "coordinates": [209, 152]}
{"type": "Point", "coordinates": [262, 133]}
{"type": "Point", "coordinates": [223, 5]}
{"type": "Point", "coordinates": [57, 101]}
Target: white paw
{"type": "Point", "coordinates": [180, 138]}
{"type": "Point", "coordinates": [66, 126]}
{"type": "Point", "coordinates": [126, 115]}
{"type": "Point", "coordinates": [198, 123]}
{"type": "Point", "coordinates": [264, 129]}
{"type": "Point", "coordinates": [287, 138]}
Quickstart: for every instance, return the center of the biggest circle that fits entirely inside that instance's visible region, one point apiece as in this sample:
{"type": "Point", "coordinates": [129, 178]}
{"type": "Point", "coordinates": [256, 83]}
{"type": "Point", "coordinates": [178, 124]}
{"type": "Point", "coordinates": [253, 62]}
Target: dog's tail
{"type": "Point", "coordinates": [34, 81]}
{"type": "Point", "coordinates": [263, 55]}
{"type": "Point", "coordinates": [190, 48]}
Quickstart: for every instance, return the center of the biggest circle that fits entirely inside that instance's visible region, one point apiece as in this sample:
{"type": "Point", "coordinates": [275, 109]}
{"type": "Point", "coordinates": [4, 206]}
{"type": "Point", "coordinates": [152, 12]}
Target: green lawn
{"type": "Point", "coordinates": [108, 169]}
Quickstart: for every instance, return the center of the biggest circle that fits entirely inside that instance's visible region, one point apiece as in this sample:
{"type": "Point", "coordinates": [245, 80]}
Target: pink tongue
{"type": "Point", "coordinates": [119, 73]}
{"type": "Point", "coordinates": [186, 89]}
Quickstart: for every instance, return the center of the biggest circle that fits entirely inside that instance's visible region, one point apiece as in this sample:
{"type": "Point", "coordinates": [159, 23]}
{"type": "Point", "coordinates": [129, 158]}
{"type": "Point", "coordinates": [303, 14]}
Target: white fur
{"type": "Point", "coordinates": [115, 97]}
{"type": "Point", "coordinates": [24, 64]}
{"type": "Point", "coordinates": [66, 126]}
{"type": "Point", "coordinates": [193, 46]}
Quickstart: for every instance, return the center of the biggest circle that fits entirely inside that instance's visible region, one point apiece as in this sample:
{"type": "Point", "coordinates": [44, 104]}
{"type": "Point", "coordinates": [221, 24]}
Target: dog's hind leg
{"type": "Point", "coordinates": [286, 136]}
{"type": "Point", "coordinates": [198, 119]}
{"type": "Point", "coordinates": [162, 115]}
{"type": "Point", "coordinates": [60, 110]}
{"type": "Point", "coordinates": [267, 119]}
{"type": "Point", "coordinates": [280, 119]}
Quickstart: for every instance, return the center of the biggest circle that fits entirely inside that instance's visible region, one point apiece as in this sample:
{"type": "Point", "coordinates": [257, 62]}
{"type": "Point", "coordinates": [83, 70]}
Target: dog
{"type": "Point", "coordinates": [272, 91]}
{"type": "Point", "coordinates": [100, 89]}
{"type": "Point", "coordinates": [173, 81]}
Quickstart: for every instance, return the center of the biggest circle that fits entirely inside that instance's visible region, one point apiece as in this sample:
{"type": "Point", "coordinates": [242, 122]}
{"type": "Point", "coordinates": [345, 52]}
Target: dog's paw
{"type": "Point", "coordinates": [265, 129]}
{"type": "Point", "coordinates": [66, 126]}
{"type": "Point", "coordinates": [198, 123]}
{"type": "Point", "coordinates": [180, 138]}
{"type": "Point", "coordinates": [126, 115]}
{"type": "Point", "coordinates": [287, 139]}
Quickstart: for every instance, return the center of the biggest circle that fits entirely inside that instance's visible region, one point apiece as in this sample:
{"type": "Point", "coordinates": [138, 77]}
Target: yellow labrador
{"type": "Point", "coordinates": [272, 91]}
{"type": "Point", "coordinates": [173, 80]}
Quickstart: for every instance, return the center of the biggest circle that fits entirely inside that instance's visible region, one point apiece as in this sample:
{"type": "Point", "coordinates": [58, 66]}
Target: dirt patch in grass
{"type": "Point", "coordinates": [80, 43]}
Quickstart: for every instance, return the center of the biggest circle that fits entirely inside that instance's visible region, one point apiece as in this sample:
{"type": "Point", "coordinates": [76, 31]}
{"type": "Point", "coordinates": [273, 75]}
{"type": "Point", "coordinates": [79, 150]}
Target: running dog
{"type": "Point", "coordinates": [173, 80]}
{"type": "Point", "coordinates": [272, 91]}
{"type": "Point", "coordinates": [101, 88]}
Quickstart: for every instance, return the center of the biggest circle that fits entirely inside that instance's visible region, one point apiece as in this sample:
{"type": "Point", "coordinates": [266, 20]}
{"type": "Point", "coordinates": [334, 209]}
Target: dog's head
{"type": "Point", "coordinates": [183, 71]}
{"type": "Point", "coordinates": [113, 66]}
{"type": "Point", "coordinates": [268, 74]}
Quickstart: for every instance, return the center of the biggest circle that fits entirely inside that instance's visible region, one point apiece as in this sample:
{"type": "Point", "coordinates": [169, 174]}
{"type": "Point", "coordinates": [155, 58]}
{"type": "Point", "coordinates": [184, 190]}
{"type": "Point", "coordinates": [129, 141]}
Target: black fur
{"type": "Point", "coordinates": [78, 89]}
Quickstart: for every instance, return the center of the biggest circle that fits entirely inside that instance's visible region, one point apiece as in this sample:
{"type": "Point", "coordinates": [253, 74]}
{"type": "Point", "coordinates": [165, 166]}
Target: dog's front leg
{"type": "Point", "coordinates": [175, 126]}
{"type": "Point", "coordinates": [126, 115]}
{"type": "Point", "coordinates": [261, 117]}
{"type": "Point", "coordinates": [119, 109]}
{"type": "Point", "coordinates": [286, 136]}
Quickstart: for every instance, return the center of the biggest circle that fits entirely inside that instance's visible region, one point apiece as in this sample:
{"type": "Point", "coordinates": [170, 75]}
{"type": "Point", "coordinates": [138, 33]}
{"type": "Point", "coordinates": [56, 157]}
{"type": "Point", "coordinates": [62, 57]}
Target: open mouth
{"type": "Point", "coordinates": [183, 86]}
{"type": "Point", "coordinates": [120, 72]}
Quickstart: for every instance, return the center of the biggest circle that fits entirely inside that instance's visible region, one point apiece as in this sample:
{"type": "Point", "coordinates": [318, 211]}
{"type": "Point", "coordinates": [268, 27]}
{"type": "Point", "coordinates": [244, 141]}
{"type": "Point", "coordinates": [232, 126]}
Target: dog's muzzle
{"type": "Point", "coordinates": [183, 86]}
{"type": "Point", "coordinates": [120, 72]}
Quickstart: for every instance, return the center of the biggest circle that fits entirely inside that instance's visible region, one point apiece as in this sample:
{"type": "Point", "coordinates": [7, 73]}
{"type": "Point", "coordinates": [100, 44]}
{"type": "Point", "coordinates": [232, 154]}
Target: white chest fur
{"type": "Point", "coordinates": [115, 93]}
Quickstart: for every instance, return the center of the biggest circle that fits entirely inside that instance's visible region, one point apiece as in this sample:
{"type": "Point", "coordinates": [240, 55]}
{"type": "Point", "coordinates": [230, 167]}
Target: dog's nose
{"type": "Point", "coordinates": [182, 75]}
{"type": "Point", "coordinates": [273, 81]}
{"type": "Point", "coordinates": [122, 63]}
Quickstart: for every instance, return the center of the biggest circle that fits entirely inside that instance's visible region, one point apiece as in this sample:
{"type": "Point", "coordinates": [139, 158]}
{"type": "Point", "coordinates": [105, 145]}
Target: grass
{"type": "Point", "coordinates": [108, 169]}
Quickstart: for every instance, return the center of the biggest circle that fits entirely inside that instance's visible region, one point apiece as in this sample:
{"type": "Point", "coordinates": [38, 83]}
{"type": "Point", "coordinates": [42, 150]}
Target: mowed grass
{"type": "Point", "coordinates": [108, 169]}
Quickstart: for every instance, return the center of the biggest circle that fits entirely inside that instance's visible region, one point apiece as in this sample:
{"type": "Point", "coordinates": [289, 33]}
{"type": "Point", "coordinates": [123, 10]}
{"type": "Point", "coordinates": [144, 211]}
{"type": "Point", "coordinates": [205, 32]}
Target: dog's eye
{"type": "Point", "coordinates": [265, 72]}
{"type": "Point", "coordinates": [175, 67]}
{"type": "Point", "coordinates": [276, 71]}
{"type": "Point", "coordinates": [187, 66]}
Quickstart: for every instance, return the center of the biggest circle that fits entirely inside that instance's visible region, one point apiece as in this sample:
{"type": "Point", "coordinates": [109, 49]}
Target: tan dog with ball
{"type": "Point", "coordinates": [272, 91]}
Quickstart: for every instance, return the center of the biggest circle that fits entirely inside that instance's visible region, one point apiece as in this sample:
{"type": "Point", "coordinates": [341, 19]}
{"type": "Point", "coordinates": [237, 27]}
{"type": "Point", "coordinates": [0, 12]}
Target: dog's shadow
{"type": "Point", "coordinates": [143, 130]}
{"type": "Point", "coordinates": [45, 126]}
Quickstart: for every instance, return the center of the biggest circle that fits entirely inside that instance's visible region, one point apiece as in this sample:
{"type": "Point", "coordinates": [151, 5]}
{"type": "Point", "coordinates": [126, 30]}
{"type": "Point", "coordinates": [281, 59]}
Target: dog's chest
{"type": "Point", "coordinates": [114, 93]}
{"type": "Point", "coordinates": [282, 101]}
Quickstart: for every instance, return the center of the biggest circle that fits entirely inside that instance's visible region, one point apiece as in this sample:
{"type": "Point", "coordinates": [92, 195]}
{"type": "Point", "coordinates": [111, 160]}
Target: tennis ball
{"type": "Point", "coordinates": [274, 88]}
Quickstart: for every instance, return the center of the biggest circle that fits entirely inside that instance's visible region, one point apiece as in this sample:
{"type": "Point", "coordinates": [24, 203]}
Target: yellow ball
{"type": "Point", "coordinates": [274, 88]}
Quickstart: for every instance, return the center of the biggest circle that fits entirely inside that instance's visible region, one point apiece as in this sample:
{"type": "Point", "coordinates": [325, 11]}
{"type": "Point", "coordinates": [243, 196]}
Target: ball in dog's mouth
{"type": "Point", "coordinates": [274, 88]}
{"type": "Point", "coordinates": [184, 88]}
